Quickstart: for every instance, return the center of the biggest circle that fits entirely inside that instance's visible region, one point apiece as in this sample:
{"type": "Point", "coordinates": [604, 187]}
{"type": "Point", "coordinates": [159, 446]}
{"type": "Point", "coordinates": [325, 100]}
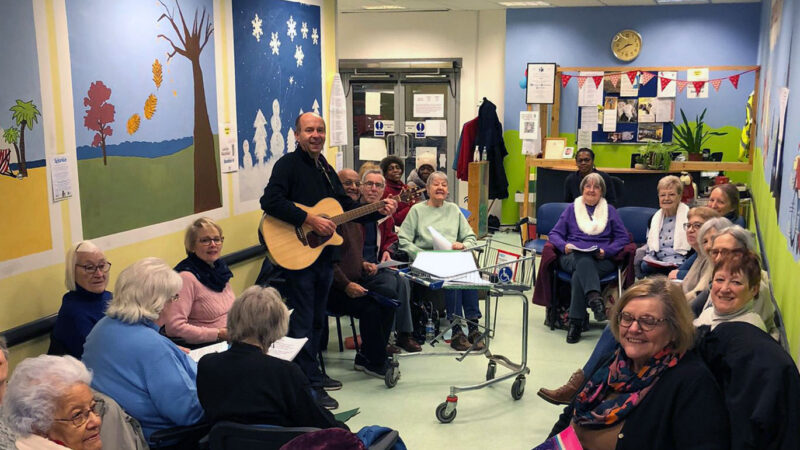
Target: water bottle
{"type": "Point", "coordinates": [429, 330]}
{"type": "Point", "coordinates": [483, 155]}
{"type": "Point", "coordinates": [476, 155]}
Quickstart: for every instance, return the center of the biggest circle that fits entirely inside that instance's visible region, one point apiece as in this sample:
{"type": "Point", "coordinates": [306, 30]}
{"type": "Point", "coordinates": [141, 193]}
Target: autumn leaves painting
{"type": "Point", "coordinates": [145, 111]}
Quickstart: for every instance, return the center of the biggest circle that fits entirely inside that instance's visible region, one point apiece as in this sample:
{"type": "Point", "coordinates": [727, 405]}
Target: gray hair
{"type": "Point", "coordinates": [670, 182]}
{"type": "Point", "coordinates": [434, 175]}
{"type": "Point", "coordinates": [72, 259]}
{"type": "Point", "coordinates": [34, 390]}
{"type": "Point", "coordinates": [717, 223]}
{"type": "Point", "coordinates": [4, 347]}
{"type": "Point", "coordinates": [595, 178]}
{"type": "Point", "coordinates": [203, 223]}
{"type": "Point", "coordinates": [373, 172]}
{"type": "Point", "coordinates": [260, 314]}
{"type": "Point", "coordinates": [142, 290]}
{"type": "Point", "coordinates": [742, 235]}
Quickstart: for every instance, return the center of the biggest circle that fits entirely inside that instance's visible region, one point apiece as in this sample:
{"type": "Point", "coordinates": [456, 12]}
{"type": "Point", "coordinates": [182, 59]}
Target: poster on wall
{"type": "Point", "coordinates": [697, 78]}
{"type": "Point", "coordinates": [590, 94]}
{"type": "Point", "coordinates": [667, 87]}
{"type": "Point", "coordinates": [145, 112]}
{"type": "Point", "coordinates": [278, 64]}
{"type": "Point", "coordinates": [541, 83]}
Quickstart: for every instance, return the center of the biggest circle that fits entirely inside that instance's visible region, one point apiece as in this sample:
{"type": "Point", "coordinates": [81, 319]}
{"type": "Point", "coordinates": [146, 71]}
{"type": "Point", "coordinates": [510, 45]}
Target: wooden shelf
{"type": "Point", "coordinates": [675, 167]}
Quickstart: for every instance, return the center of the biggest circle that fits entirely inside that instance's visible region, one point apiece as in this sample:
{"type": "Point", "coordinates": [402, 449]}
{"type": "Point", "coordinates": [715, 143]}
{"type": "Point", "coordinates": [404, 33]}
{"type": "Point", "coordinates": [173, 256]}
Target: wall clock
{"type": "Point", "coordinates": [626, 45]}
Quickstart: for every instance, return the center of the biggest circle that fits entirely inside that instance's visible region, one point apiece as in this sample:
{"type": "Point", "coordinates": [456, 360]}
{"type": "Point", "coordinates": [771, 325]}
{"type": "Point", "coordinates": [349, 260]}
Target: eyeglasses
{"type": "Point", "coordinates": [724, 252]}
{"type": "Point", "coordinates": [371, 184]}
{"type": "Point", "coordinates": [692, 226]}
{"type": "Point", "coordinates": [208, 241]}
{"type": "Point", "coordinates": [91, 268]}
{"type": "Point", "coordinates": [667, 195]}
{"type": "Point", "coordinates": [351, 183]}
{"type": "Point", "coordinates": [646, 323]}
{"type": "Point", "coordinates": [80, 418]}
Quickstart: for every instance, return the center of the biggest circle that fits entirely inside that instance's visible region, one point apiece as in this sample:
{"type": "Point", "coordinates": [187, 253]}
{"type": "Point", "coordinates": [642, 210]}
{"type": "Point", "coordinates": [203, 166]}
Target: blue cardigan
{"type": "Point", "coordinates": [80, 311]}
{"type": "Point", "coordinates": [148, 375]}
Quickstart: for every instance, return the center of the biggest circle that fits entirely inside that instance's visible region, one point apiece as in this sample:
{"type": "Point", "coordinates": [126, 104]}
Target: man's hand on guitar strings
{"type": "Point", "coordinates": [320, 225]}
{"type": "Point", "coordinates": [389, 207]}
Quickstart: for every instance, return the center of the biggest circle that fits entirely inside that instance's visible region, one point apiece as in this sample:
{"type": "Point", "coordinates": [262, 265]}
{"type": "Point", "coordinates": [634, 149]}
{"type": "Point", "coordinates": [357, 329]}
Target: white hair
{"type": "Point", "coordinates": [142, 290]}
{"type": "Point", "coordinates": [72, 259]}
{"type": "Point", "coordinates": [34, 390]}
{"type": "Point", "coordinates": [742, 235]}
{"type": "Point", "coordinates": [373, 172]}
{"type": "Point", "coordinates": [717, 223]}
{"type": "Point", "coordinates": [259, 313]}
{"type": "Point", "coordinates": [433, 176]}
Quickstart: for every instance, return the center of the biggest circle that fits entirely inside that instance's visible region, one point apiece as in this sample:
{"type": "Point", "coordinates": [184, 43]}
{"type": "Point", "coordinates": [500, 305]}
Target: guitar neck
{"type": "Point", "coordinates": [354, 214]}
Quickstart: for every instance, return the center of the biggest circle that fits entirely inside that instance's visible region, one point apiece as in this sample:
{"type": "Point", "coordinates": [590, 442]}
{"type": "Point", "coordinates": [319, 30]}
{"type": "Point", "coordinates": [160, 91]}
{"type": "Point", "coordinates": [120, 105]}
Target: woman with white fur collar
{"type": "Point", "coordinates": [667, 246]}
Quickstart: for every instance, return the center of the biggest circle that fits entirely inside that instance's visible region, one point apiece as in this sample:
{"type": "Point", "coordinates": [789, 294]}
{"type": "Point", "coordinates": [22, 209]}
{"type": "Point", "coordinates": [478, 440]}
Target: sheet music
{"type": "Point", "coordinates": [390, 263]}
{"type": "Point", "coordinates": [198, 353]}
{"type": "Point", "coordinates": [285, 348]}
{"type": "Point", "coordinates": [439, 242]}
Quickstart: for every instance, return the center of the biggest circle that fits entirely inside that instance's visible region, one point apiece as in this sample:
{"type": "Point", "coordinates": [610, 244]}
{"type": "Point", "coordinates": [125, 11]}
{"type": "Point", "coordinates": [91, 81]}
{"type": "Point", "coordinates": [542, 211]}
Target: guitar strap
{"type": "Point", "coordinates": [322, 166]}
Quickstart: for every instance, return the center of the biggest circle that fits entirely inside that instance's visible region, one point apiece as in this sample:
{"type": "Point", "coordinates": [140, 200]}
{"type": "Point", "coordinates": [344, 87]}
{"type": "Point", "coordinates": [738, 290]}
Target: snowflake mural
{"type": "Point", "coordinates": [304, 30]}
{"type": "Point", "coordinates": [291, 80]}
{"type": "Point", "coordinates": [298, 55]}
{"type": "Point", "coordinates": [274, 43]}
{"type": "Point", "coordinates": [314, 36]}
{"type": "Point", "coordinates": [257, 31]}
{"type": "Point", "coordinates": [292, 30]}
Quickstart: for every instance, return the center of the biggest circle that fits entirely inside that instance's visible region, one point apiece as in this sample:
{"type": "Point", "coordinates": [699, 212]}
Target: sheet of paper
{"type": "Point", "coordinates": [628, 88]}
{"type": "Point", "coordinates": [696, 75]}
{"type": "Point", "coordinates": [445, 265]}
{"type": "Point", "coordinates": [391, 263]}
{"type": "Point", "coordinates": [584, 139]}
{"type": "Point", "coordinates": [198, 353]}
{"type": "Point", "coordinates": [371, 149]}
{"type": "Point", "coordinates": [439, 242]}
{"type": "Point", "coordinates": [337, 124]}
{"type": "Point", "coordinates": [59, 178]}
{"type": "Point", "coordinates": [665, 109]}
{"type": "Point", "coordinates": [589, 94]}
{"type": "Point", "coordinates": [428, 105]}
{"type": "Point", "coordinates": [339, 164]}
{"type": "Point", "coordinates": [670, 89]}
{"type": "Point", "coordinates": [531, 147]}
{"type": "Point", "coordinates": [436, 127]}
{"type": "Point", "coordinates": [591, 249]}
{"type": "Point", "coordinates": [540, 83]}
{"type": "Point", "coordinates": [647, 109]}
{"type": "Point", "coordinates": [372, 103]}
{"type": "Point", "coordinates": [656, 263]}
{"type": "Point", "coordinates": [589, 118]}
{"type": "Point", "coordinates": [610, 114]}
{"type": "Point", "coordinates": [783, 101]}
{"type": "Point", "coordinates": [529, 124]}
{"type": "Point", "coordinates": [286, 348]}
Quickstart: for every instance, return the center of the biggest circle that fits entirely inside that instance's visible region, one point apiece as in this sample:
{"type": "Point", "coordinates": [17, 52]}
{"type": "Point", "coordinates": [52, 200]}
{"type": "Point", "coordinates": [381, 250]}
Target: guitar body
{"type": "Point", "coordinates": [296, 248]}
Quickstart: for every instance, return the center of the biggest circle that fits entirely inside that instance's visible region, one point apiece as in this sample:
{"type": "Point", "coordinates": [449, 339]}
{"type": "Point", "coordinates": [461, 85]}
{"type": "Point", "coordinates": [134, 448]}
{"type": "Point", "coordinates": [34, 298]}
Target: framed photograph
{"type": "Point", "coordinates": [541, 83]}
{"type": "Point", "coordinates": [554, 147]}
{"type": "Point", "coordinates": [569, 153]}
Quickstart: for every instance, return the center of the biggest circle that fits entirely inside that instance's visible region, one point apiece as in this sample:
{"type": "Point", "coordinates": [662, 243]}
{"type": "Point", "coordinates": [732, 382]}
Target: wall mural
{"type": "Point", "coordinates": [145, 108]}
{"type": "Point", "coordinates": [23, 171]}
{"type": "Point", "coordinates": [278, 75]}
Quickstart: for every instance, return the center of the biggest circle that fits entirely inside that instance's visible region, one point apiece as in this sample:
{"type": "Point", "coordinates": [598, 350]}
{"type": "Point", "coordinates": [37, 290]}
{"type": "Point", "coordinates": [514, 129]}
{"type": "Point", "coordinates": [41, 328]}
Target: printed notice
{"type": "Point", "coordinates": [529, 124]}
{"type": "Point", "coordinates": [60, 179]}
{"type": "Point", "coordinates": [584, 139]}
{"type": "Point", "coordinates": [610, 114]}
{"type": "Point", "coordinates": [428, 105]}
{"type": "Point", "coordinates": [337, 125]}
{"type": "Point", "coordinates": [589, 94]}
{"type": "Point", "coordinates": [666, 84]}
{"type": "Point", "coordinates": [589, 118]}
{"type": "Point", "coordinates": [541, 83]}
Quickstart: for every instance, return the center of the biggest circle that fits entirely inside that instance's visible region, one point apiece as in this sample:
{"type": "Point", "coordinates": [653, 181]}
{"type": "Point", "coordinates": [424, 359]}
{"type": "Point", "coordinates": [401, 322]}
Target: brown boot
{"type": "Point", "coordinates": [564, 394]}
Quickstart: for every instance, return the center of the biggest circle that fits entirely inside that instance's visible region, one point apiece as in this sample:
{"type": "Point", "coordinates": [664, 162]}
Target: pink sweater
{"type": "Point", "coordinates": [199, 312]}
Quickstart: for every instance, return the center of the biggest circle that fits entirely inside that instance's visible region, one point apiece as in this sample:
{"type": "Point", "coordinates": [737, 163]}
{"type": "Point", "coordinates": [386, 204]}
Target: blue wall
{"type": "Point", "coordinates": [694, 35]}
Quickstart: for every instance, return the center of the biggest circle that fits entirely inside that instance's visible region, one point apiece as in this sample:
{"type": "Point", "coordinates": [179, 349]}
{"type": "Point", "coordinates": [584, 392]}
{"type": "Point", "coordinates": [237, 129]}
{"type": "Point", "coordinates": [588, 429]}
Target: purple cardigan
{"type": "Point", "coordinates": [611, 240]}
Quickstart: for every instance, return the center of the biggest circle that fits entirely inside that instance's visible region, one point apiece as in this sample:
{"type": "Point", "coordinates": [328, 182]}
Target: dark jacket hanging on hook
{"type": "Point", "coordinates": [485, 131]}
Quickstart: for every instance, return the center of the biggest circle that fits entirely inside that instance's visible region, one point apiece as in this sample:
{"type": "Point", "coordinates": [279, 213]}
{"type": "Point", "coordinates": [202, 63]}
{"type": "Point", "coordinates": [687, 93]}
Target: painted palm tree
{"type": "Point", "coordinates": [11, 136]}
{"type": "Point", "coordinates": [25, 114]}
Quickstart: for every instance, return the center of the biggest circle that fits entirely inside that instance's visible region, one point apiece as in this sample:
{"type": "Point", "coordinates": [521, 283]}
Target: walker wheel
{"type": "Point", "coordinates": [391, 377]}
{"type": "Point", "coordinates": [441, 413]}
{"type": "Point", "coordinates": [518, 388]}
{"type": "Point", "coordinates": [491, 370]}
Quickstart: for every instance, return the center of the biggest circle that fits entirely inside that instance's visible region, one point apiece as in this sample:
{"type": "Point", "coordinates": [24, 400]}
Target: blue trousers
{"type": "Point", "coordinates": [462, 302]}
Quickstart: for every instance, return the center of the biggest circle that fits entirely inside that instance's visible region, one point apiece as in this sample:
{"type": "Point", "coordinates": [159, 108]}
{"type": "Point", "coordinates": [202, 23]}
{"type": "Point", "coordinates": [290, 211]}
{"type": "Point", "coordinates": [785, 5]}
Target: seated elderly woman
{"type": "Point", "coordinates": [698, 278]}
{"type": "Point", "coordinates": [245, 384]}
{"type": "Point", "coordinates": [415, 236]}
{"type": "Point", "coordinates": [50, 406]}
{"type": "Point", "coordinates": [393, 170]}
{"type": "Point", "coordinates": [724, 198]}
{"type": "Point", "coordinates": [199, 314]}
{"type": "Point", "coordinates": [86, 279]}
{"type": "Point", "coordinates": [145, 372]}
{"type": "Point", "coordinates": [667, 246]}
{"type": "Point", "coordinates": [695, 219]}
{"type": "Point", "coordinates": [651, 392]}
{"type": "Point", "coordinates": [588, 234]}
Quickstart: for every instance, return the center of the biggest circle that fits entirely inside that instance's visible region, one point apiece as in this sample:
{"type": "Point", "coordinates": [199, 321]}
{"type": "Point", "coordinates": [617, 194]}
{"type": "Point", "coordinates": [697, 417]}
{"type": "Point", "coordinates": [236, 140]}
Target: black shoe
{"type": "Point", "coordinates": [598, 308]}
{"type": "Point", "coordinates": [574, 332]}
{"type": "Point", "coordinates": [363, 365]}
{"type": "Point", "coordinates": [324, 400]}
{"type": "Point", "coordinates": [329, 384]}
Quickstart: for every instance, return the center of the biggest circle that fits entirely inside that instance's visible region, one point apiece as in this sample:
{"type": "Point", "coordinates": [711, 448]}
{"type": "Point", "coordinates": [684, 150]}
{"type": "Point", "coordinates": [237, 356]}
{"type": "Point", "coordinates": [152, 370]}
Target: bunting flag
{"type": "Point", "coordinates": [598, 79]}
{"type": "Point", "coordinates": [698, 85]}
{"type": "Point", "coordinates": [664, 82]}
{"type": "Point", "coordinates": [581, 80]}
{"type": "Point", "coordinates": [614, 77]}
{"type": "Point", "coordinates": [681, 84]}
{"type": "Point", "coordinates": [646, 77]}
{"type": "Point", "coordinates": [716, 84]}
{"type": "Point", "coordinates": [632, 75]}
{"type": "Point", "coordinates": [565, 79]}
{"type": "Point", "coordinates": [734, 79]}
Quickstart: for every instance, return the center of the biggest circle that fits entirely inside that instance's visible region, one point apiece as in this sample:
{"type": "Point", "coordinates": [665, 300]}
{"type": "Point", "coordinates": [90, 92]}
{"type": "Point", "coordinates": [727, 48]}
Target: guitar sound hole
{"type": "Point", "coordinates": [315, 240]}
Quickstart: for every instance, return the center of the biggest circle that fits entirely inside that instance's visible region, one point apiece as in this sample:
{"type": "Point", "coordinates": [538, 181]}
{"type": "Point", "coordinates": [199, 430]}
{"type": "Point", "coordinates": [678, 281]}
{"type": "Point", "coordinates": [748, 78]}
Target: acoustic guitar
{"type": "Point", "coordinates": [296, 248]}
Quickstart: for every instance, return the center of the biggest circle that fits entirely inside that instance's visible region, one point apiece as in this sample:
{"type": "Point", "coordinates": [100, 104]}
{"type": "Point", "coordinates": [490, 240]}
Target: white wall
{"type": "Point", "coordinates": [477, 37]}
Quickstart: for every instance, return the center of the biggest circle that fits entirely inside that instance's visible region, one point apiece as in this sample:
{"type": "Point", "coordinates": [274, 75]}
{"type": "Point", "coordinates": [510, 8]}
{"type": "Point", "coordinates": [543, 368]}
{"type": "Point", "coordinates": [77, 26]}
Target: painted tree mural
{"type": "Point", "coordinates": [11, 136]}
{"type": "Point", "coordinates": [99, 114]}
{"type": "Point", "coordinates": [193, 40]}
{"type": "Point", "coordinates": [25, 114]}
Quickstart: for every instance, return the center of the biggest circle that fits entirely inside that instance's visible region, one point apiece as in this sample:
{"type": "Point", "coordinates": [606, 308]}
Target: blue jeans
{"type": "Point", "coordinates": [462, 302]}
{"type": "Point", "coordinates": [605, 345]}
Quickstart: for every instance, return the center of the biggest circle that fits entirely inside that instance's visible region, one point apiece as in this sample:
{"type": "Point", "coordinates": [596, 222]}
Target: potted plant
{"type": "Point", "coordinates": [657, 156]}
{"type": "Point", "coordinates": [692, 139]}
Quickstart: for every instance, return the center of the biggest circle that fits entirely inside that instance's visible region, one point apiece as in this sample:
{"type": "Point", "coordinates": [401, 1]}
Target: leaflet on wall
{"type": "Point", "coordinates": [59, 178]}
{"type": "Point", "coordinates": [696, 75]}
{"type": "Point", "coordinates": [540, 87]}
{"type": "Point", "coordinates": [436, 128]}
{"type": "Point", "coordinates": [665, 109]}
{"type": "Point", "coordinates": [647, 109]}
{"type": "Point", "coordinates": [589, 118]}
{"type": "Point", "coordinates": [428, 105]}
{"type": "Point", "coordinates": [666, 88]}
{"type": "Point", "coordinates": [610, 114]}
{"type": "Point", "coordinates": [584, 139]}
{"type": "Point", "coordinates": [371, 149]}
{"type": "Point", "coordinates": [628, 88]}
{"type": "Point", "coordinates": [529, 124]}
{"type": "Point", "coordinates": [589, 94]}
{"type": "Point", "coordinates": [338, 114]}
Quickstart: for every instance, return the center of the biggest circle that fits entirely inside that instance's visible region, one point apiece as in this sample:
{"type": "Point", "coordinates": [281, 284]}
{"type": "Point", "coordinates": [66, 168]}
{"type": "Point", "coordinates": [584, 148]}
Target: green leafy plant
{"type": "Point", "coordinates": [692, 139]}
{"type": "Point", "coordinates": [655, 156]}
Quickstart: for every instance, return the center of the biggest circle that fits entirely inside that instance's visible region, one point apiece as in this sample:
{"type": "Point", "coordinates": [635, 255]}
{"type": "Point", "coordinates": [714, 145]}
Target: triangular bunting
{"type": "Point", "coordinates": [565, 79]}
{"type": "Point", "coordinates": [734, 79]}
{"type": "Point", "coordinates": [698, 86]}
{"type": "Point", "coordinates": [664, 82]}
{"type": "Point", "coordinates": [614, 77]}
{"type": "Point", "coordinates": [646, 77]}
{"type": "Point", "coordinates": [681, 85]}
{"type": "Point", "coordinates": [632, 75]}
{"type": "Point", "coordinates": [581, 81]}
{"type": "Point", "coordinates": [597, 80]}
{"type": "Point", "coordinates": [716, 84]}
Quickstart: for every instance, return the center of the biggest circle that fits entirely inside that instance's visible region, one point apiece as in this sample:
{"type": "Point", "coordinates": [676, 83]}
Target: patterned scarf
{"type": "Point", "coordinates": [593, 408]}
{"type": "Point", "coordinates": [214, 278]}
